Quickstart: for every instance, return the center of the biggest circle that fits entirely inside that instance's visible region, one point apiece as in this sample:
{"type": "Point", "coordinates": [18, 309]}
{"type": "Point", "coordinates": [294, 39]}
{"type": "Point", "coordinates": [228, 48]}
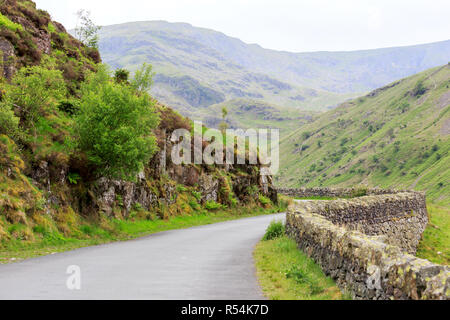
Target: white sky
{"type": "Point", "coordinates": [291, 25]}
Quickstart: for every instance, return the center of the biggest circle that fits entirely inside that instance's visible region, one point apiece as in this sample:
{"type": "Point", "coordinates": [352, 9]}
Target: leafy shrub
{"type": "Point", "coordinates": [8, 121]}
{"type": "Point", "coordinates": [73, 178]}
{"type": "Point", "coordinates": [68, 107]}
{"type": "Point", "coordinates": [35, 90]}
{"type": "Point", "coordinates": [197, 195]}
{"type": "Point", "coordinates": [419, 89]}
{"type": "Point", "coordinates": [51, 28]}
{"type": "Point", "coordinates": [212, 205]}
{"type": "Point", "coordinates": [143, 79]}
{"type": "Point", "coordinates": [114, 126]}
{"type": "Point", "coordinates": [275, 230]}
{"type": "Point", "coordinates": [194, 204]}
{"type": "Point", "coordinates": [306, 135]}
{"type": "Point", "coordinates": [360, 192]}
{"type": "Point", "coordinates": [87, 31]}
{"type": "Point", "coordinates": [181, 188]}
{"type": "Point", "coordinates": [264, 200]}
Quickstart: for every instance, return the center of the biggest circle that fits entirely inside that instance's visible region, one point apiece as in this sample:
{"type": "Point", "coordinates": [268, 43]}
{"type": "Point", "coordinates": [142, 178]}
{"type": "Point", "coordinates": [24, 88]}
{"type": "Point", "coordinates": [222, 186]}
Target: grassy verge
{"type": "Point", "coordinates": [286, 273]}
{"type": "Point", "coordinates": [110, 230]}
{"type": "Point", "coordinates": [435, 245]}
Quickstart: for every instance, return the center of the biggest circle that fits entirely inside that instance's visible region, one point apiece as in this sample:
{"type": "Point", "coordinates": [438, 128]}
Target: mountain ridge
{"type": "Point", "coordinates": [233, 69]}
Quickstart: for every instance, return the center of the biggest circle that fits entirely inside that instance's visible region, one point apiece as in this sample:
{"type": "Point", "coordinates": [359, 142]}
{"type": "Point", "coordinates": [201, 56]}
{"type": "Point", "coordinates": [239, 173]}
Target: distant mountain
{"type": "Point", "coordinates": [198, 67]}
{"type": "Point", "coordinates": [194, 68]}
{"type": "Point", "coordinates": [396, 136]}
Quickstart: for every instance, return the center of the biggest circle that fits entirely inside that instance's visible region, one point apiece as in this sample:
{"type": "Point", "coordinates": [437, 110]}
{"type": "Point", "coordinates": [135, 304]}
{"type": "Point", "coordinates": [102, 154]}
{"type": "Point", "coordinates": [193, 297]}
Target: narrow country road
{"type": "Point", "coordinates": [213, 262]}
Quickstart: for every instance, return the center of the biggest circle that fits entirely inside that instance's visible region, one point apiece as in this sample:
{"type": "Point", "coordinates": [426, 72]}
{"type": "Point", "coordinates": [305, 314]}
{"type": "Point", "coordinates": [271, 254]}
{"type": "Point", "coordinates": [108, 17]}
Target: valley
{"type": "Point", "coordinates": [197, 69]}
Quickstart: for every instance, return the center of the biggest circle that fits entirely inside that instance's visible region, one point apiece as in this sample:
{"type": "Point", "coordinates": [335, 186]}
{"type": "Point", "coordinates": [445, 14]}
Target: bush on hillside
{"type": "Point", "coordinates": [419, 89]}
{"type": "Point", "coordinates": [115, 126]}
{"type": "Point", "coordinates": [212, 205]}
{"type": "Point", "coordinates": [8, 121]}
{"type": "Point", "coordinates": [34, 91]}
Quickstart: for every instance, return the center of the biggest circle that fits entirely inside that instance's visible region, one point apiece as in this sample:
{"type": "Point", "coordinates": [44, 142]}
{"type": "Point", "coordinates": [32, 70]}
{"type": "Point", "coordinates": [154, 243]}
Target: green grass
{"type": "Point", "coordinates": [435, 245]}
{"type": "Point", "coordinates": [5, 22]}
{"type": "Point", "coordinates": [95, 233]}
{"type": "Point", "coordinates": [285, 273]}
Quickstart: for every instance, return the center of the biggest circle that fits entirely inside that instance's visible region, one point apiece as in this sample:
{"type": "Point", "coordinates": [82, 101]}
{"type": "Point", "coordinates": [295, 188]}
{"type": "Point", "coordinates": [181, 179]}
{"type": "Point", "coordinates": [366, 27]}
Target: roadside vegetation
{"type": "Point", "coordinates": [435, 245]}
{"type": "Point", "coordinates": [45, 238]}
{"type": "Point", "coordinates": [286, 273]}
{"type": "Point", "coordinates": [67, 123]}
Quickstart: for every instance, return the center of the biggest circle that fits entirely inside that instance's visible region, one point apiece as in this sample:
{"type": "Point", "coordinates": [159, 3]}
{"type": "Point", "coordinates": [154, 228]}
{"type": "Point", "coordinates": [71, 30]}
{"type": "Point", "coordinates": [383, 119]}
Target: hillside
{"type": "Point", "coordinates": [84, 152]}
{"type": "Point", "coordinates": [250, 114]}
{"type": "Point", "coordinates": [28, 34]}
{"type": "Point", "coordinates": [396, 136]}
{"type": "Point", "coordinates": [198, 67]}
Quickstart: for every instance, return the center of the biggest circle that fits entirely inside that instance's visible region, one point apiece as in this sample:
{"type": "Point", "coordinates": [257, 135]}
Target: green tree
{"type": "Point", "coordinates": [143, 79]}
{"type": "Point", "coordinates": [115, 126]}
{"type": "Point", "coordinates": [223, 126]}
{"type": "Point", "coordinates": [86, 30]}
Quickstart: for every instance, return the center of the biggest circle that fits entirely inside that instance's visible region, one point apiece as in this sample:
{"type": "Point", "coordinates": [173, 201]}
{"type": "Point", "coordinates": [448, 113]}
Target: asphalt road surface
{"type": "Point", "coordinates": [213, 262]}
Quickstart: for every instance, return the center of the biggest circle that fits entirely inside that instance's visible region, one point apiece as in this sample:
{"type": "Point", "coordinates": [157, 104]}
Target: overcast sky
{"type": "Point", "coordinates": [291, 25]}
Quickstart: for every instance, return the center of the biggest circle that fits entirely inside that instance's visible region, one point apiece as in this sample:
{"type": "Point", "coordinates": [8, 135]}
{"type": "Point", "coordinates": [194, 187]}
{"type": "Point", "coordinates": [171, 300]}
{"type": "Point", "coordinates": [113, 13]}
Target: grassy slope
{"type": "Point", "coordinates": [391, 139]}
{"type": "Point", "coordinates": [435, 245]}
{"type": "Point", "coordinates": [285, 273]}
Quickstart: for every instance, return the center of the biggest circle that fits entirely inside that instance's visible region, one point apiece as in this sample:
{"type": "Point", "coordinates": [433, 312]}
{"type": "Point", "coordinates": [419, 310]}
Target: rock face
{"type": "Point", "coordinates": [37, 35]}
{"type": "Point", "coordinates": [366, 266]}
{"type": "Point", "coordinates": [149, 191]}
{"type": "Point", "coordinates": [8, 58]}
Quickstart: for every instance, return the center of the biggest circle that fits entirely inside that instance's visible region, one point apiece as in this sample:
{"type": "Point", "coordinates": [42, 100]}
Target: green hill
{"type": "Point", "coordinates": [396, 136]}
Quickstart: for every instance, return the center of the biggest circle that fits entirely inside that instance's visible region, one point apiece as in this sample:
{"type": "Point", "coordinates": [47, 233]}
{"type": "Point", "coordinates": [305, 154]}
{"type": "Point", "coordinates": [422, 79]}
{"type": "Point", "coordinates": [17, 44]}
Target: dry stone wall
{"type": "Point", "coordinates": [366, 266]}
{"type": "Point", "coordinates": [334, 192]}
{"type": "Point", "coordinates": [367, 244]}
{"type": "Point", "coordinates": [401, 216]}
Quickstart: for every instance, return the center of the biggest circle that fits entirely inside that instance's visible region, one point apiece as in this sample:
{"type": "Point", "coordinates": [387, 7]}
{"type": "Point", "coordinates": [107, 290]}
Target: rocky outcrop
{"type": "Point", "coordinates": [366, 266]}
{"type": "Point", "coordinates": [7, 56]}
{"type": "Point", "coordinates": [36, 36]}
